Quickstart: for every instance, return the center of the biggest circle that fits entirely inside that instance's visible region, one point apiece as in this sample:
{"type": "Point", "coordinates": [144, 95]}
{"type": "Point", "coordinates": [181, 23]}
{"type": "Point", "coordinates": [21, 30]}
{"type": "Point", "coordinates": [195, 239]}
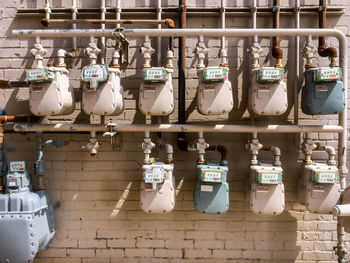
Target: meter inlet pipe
{"type": "Point", "coordinates": [159, 40]}
{"type": "Point", "coordinates": [277, 52]}
{"type": "Point", "coordinates": [3, 119]}
{"type": "Point", "coordinates": [103, 26]}
{"type": "Point", "coordinates": [182, 142]}
{"type": "Point", "coordinates": [297, 62]}
{"type": "Point", "coordinates": [322, 50]}
{"type": "Point", "coordinates": [169, 151]}
{"type": "Point", "coordinates": [223, 50]}
{"type": "Point", "coordinates": [39, 168]}
{"type": "Point", "coordinates": [276, 154]}
{"type": "Point", "coordinates": [222, 150]}
{"type": "Point", "coordinates": [74, 26]}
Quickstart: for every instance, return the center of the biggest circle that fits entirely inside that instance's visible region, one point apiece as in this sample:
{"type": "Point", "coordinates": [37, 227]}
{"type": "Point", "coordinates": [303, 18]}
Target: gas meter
{"type": "Point", "coordinates": [156, 92]}
{"type": "Point", "coordinates": [49, 91]}
{"type": "Point", "coordinates": [268, 91]}
{"type": "Point", "coordinates": [323, 92]}
{"type": "Point", "coordinates": [215, 91]}
{"type": "Point", "coordinates": [102, 91]}
{"type": "Point", "coordinates": [211, 194]}
{"type": "Point", "coordinates": [319, 188]}
{"type": "Point", "coordinates": [26, 218]}
{"type": "Point", "coordinates": [157, 193]}
{"type": "Point", "coordinates": [266, 189]}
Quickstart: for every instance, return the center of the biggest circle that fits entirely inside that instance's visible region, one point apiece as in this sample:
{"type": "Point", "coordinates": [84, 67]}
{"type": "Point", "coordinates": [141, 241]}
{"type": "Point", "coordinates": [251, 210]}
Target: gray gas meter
{"type": "Point", "coordinates": [319, 188]}
{"type": "Point", "coordinates": [157, 194]}
{"type": "Point", "coordinates": [94, 75]}
{"type": "Point", "coordinates": [39, 75]}
{"type": "Point", "coordinates": [211, 194]}
{"type": "Point", "coordinates": [323, 92]}
{"type": "Point", "coordinates": [154, 74]}
{"type": "Point", "coordinates": [266, 189]}
{"type": "Point", "coordinates": [268, 92]}
{"type": "Point", "coordinates": [26, 218]}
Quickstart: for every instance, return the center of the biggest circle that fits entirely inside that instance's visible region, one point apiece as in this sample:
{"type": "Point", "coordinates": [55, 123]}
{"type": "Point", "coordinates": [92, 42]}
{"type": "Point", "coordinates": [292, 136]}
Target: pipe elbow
{"type": "Point", "coordinates": [330, 150]}
{"type": "Point", "coordinates": [45, 22]}
{"type": "Point", "coordinates": [170, 23]}
{"type": "Point", "coordinates": [222, 149]}
{"type": "Point", "coordinates": [330, 52]}
{"type": "Point", "coordinates": [276, 151]}
{"type": "Point", "coordinates": [182, 143]}
{"type": "Point", "coordinates": [169, 148]}
{"type": "Point", "coordinates": [277, 53]}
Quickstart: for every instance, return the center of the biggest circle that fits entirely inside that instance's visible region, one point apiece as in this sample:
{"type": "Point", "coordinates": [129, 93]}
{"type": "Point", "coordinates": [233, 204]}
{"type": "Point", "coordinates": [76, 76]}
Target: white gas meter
{"type": "Point", "coordinates": [102, 91]}
{"type": "Point", "coordinates": [49, 91]}
{"type": "Point", "coordinates": [319, 188]}
{"type": "Point", "coordinates": [266, 189]}
{"type": "Point", "coordinates": [156, 95]}
{"type": "Point", "coordinates": [268, 91]}
{"type": "Point", "coordinates": [157, 193]}
{"type": "Point", "coordinates": [214, 91]}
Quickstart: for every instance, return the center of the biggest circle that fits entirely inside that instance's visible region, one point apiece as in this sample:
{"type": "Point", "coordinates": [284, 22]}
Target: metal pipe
{"type": "Point", "coordinates": [74, 26]}
{"type": "Point", "coordinates": [159, 40]}
{"type": "Point", "coordinates": [254, 9]}
{"type": "Point", "coordinates": [3, 166]}
{"type": "Point", "coordinates": [39, 167]}
{"type": "Point", "coordinates": [276, 154]}
{"type": "Point", "coordinates": [297, 62]}
{"type": "Point", "coordinates": [182, 65]}
{"type": "Point", "coordinates": [219, 128]}
{"type": "Point", "coordinates": [47, 9]}
{"type": "Point", "coordinates": [103, 26]}
{"type": "Point", "coordinates": [277, 52]}
{"type": "Point", "coordinates": [190, 32]}
{"type": "Point", "coordinates": [223, 51]}
{"type": "Point", "coordinates": [169, 150]}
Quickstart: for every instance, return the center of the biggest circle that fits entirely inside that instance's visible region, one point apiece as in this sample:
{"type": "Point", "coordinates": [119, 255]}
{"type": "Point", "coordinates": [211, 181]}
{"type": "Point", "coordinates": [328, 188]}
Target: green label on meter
{"type": "Point", "coordinates": [154, 74]}
{"type": "Point", "coordinates": [39, 75]}
{"type": "Point", "coordinates": [270, 74]}
{"type": "Point", "coordinates": [213, 175]}
{"type": "Point", "coordinates": [328, 74]}
{"type": "Point", "coordinates": [325, 177]}
{"type": "Point", "coordinates": [214, 74]}
{"type": "Point", "coordinates": [269, 177]}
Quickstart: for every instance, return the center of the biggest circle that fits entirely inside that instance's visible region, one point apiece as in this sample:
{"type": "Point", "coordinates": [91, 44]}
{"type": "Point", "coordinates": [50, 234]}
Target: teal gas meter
{"type": "Point", "coordinates": [213, 74]}
{"type": "Point", "coordinates": [94, 75]}
{"type": "Point", "coordinates": [323, 92]}
{"type": "Point", "coordinates": [212, 192]}
{"type": "Point", "coordinates": [154, 74]}
{"type": "Point", "coordinates": [39, 75]}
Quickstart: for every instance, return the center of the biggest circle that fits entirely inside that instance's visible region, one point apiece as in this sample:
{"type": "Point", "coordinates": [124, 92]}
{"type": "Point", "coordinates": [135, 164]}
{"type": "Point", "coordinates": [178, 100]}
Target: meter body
{"type": "Point", "coordinates": [26, 217]}
{"type": "Point", "coordinates": [319, 188]}
{"type": "Point", "coordinates": [266, 189]}
{"type": "Point", "coordinates": [211, 193]}
{"type": "Point", "coordinates": [157, 194]}
{"type": "Point", "coordinates": [323, 92]}
{"type": "Point", "coordinates": [49, 91]}
{"type": "Point", "coordinates": [268, 92]}
{"type": "Point", "coordinates": [102, 90]}
{"type": "Point", "coordinates": [156, 96]}
{"type": "Point", "coordinates": [214, 91]}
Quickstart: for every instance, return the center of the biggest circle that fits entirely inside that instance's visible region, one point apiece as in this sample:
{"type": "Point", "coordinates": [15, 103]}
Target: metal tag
{"type": "Point", "coordinates": [269, 177]}
{"type": "Point", "coordinates": [154, 74]}
{"type": "Point", "coordinates": [213, 175]}
{"type": "Point", "coordinates": [214, 74]}
{"type": "Point", "coordinates": [325, 177]}
{"type": "Point", "coordinates": [39, 75]}
{"type": "Point", "coordinates": [270, 74]}
{"type": "Point", "coordinates": [17, 166]}
{"type": "Point", "coordinates": [328, 74]}
{"type": "Point", "coordinates": [94, 75]}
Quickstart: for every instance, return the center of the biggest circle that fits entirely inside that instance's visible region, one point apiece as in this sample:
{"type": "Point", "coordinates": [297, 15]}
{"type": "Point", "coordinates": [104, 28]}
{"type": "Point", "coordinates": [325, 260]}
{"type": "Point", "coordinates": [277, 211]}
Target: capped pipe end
{"type": "Point", "coordinates": [170, 23]}
{"type": "Point", "coordinates": [45, 22]}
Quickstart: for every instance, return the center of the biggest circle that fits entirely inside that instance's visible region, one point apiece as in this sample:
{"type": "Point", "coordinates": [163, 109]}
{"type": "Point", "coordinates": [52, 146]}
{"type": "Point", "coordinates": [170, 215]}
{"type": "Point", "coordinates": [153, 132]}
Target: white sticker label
{"type": "Point", "coordinates": [206, 188]}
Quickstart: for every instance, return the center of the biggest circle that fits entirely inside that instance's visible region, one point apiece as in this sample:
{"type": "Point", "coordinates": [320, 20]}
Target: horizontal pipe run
{"type": "Point", "coordinates": [209, 32]}
{"type": "Point", "coordinates": [178, 128]}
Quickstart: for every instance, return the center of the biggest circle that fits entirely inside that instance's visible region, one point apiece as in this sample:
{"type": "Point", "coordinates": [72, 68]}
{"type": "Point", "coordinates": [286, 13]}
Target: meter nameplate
{"type": "Point", "coordinates": [325, 177]}
{"type": "Point", "coordinates": [39, 75]}
{"type": "Point", "coordinates": [207, 188]}
{"type": "Point", "coordinates": [154, 74]}
{"type": "Point", "coordinates": [328, 74]}
{"type": "Point", "coordinates": [213, 175]}
{"type": "Point", "coordinates": [154, 175]}
{"type": "Point", "coordinates": [269, 177]}
{"type": "Point", "coordinates": [17, 166]}
{"type": "Point", "coordinates": [270, 75]}
{"type": "Point", "coordinates": [214, 74]}
{"type": "Point", "coordinates": [94, 75]}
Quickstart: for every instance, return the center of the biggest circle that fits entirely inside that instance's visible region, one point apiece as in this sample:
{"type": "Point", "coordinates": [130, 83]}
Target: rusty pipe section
{"type": "Point", "coordinates": [330, 52]}
{"type": "Point", "coordinates": [168, 21]}
{"type": "Point", "coordinates": [277, 52]}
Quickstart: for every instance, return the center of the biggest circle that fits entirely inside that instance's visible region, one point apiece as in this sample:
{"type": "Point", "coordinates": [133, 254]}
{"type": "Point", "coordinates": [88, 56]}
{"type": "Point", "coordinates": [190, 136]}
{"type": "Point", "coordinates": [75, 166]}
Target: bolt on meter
{"type": "Point", "coordinates": [212, 191]}
{"type": "Point", "coordinates": [214, 91]}
{"type": "Point", "coordinates": [266, 189]}
{"type": "Point", "coordinates": [49, 91]}
{"type": "Point", "coordinates": [157, 193]}
{"type": "Point", "coordinates": [319, 188]}
{"type": "Point", "coordinates": [102, 91]}
{"type": "Point", "coordinates": [323, 92]}
{"type": "Point", "coordinates": [268, 91]}
{"type": "Point", "coordinates": [26, 218]}
{"type": "Point", "coordinates": [156, 92]}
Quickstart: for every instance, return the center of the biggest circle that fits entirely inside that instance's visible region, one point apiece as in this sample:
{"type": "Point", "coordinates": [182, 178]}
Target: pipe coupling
{"type": "Point", "coordinates": [92, 51]}
{"type": "Point", "coordinates": [147, 52]}
{"type": "Point", "coordinates": [201, 51]}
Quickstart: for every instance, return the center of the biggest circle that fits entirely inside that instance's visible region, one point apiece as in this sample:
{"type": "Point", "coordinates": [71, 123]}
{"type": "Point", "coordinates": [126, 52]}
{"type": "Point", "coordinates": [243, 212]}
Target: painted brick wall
{"type": "Point", "coordinates": [96, 199]}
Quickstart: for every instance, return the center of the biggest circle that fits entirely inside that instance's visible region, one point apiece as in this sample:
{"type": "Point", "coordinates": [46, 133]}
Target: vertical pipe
{"type": "Point", "coordinates": [223, 21]}
{"type": "Point", "coordinates": [255, 39]}
{"type": "Point", "coordinates": [297, 61]}
{"type": "Point", "coordinates": [159, 39]}
{"type": "Point", "coordinates": [103, 26]}
{"type": "Point", "coordinates": [74, 25]}
{"type": "Point", "coordinates": [39, 167]}
{"type": "Point", "coordinates": [182, 65]}
{"type": "Point", "coordinates": [277, 52]}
